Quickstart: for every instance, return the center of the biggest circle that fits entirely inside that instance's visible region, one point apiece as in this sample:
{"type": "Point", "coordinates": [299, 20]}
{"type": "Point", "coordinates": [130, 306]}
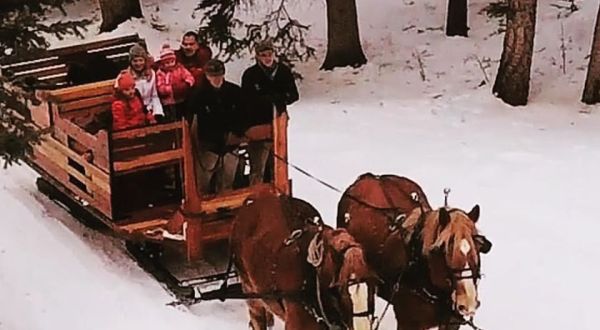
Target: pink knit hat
{"type": "Point", "coordinates": [166, 52]}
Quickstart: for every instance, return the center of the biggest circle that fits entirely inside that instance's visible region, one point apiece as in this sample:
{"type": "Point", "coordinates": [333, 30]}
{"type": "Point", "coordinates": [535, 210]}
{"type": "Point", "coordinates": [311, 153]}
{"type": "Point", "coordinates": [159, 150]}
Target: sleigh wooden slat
{"type": "Point", "coordinates": [233, 199]}
{"type": "Point", "coordinates": [68, 94]}
{"type": "Point", "coordinates": [100, 100]}
{"type": "Point", "coordinates": [87, 182]}
{"type": "Point", "coordinates": [144, 131]}
{"type": "Point", "coordinates": [70, 134]}
{"type": "Point", "coordinates": [44, 72]}
{"type": "Point", "coordinates": [148, 160]}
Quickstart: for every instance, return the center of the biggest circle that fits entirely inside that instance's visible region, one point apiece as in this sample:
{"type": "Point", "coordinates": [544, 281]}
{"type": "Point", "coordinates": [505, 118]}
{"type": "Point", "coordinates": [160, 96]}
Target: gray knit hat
{"type": "Point", "coordinates": [137, 51]}
{"type": "Point", "coordinates": [214, 67]}
{"type": "Point", "coordinates": [264, 45]}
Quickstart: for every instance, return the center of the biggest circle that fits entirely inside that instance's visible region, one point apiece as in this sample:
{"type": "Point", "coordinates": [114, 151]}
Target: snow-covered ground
{"type": "Point", "coordinates": [533, 171]}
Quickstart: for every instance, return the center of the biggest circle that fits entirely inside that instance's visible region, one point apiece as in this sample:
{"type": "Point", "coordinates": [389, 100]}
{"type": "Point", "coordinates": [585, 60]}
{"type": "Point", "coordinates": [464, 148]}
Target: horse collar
{"type": "Point", "coordinates": [416, 241]}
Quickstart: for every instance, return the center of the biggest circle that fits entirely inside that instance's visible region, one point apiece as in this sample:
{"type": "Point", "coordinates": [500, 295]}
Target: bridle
{"type": "Point", "coordinates": [428, 291]}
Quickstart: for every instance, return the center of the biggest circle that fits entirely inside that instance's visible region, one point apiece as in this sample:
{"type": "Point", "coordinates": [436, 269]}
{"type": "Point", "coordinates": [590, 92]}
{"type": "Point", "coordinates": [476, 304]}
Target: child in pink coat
{"type": "Point", "coordinates": [173, 82]}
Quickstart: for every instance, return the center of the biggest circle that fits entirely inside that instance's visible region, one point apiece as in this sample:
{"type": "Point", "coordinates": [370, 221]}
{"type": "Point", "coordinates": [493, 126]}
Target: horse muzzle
{"type": "Point", "coordinates": [361, 313]}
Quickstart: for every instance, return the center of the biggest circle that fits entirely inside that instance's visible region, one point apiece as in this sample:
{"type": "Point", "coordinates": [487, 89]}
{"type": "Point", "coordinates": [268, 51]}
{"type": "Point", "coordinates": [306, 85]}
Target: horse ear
{"type": "Point", "coordinates": [444, 217]}
{"type": "Point", "coordinates": [474, 214]}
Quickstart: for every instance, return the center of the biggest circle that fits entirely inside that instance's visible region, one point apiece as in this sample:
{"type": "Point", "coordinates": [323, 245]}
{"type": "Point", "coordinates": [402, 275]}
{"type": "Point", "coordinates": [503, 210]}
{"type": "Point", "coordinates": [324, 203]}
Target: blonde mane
{"type": "Point", "coordinates": [460, 227]}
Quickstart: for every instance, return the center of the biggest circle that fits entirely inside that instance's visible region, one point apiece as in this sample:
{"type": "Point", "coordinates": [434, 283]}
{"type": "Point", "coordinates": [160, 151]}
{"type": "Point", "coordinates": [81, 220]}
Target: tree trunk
{"type": "Point", "coordinates": [343, 41]}
{"type": "Point", "coordinates": [115, 12]}
{"type": "Point", "coordinates": [512, 80]}
{"type": "Point", "coordinates": [456, 21]}
{"type": "Point", "coordinates": [591, 91]}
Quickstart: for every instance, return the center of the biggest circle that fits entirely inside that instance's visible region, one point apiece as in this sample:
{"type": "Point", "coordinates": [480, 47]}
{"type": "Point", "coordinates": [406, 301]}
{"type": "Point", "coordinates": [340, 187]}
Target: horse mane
{"type": "Point", "coordinates": [354, 261]}
{"type": "Point", "coordinates": [459, 227]}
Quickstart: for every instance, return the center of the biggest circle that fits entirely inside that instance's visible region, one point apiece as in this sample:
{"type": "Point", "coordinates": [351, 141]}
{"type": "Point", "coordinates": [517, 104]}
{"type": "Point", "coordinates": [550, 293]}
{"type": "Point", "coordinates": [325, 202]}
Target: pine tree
{"type": "Point", "coordinates": [220, 28]}
{"type": "Point", "coordinates": [23, 31]}
{"type": "Point", "coordinates": [512, 79]}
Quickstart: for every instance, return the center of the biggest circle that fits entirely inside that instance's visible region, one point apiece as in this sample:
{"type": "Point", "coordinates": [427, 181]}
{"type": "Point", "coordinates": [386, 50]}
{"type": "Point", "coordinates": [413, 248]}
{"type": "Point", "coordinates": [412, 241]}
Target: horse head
{"type": "Point", "coordinates": [452, 248]}
{"type": "Point", "coordinates": [346, 284]}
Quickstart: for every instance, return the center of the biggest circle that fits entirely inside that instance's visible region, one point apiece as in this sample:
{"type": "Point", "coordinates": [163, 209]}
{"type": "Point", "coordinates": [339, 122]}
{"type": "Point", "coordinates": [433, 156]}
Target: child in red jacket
{"type": "Point", "coordinates": [128, 107]}
{"type": "Point", "coordinates": [173, 82]}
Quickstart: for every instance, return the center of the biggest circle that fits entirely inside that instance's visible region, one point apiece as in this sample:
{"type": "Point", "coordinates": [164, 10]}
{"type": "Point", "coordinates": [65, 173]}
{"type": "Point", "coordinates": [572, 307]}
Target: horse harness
{"type": "Point", "coordinates": [314, 308]}
{"type": "Point", "coordinates": [315, 258]}
{"type": "Point", "coordinates": [427, 292]}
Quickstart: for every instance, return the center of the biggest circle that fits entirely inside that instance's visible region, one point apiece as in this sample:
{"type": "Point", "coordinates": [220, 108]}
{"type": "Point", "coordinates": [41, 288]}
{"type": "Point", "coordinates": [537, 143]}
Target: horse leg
{"type": "Point", "coordinates": [260, 318]}
{"type": "Point", "coordinates": [449, 327]}
{"type": "Point", "coordinates": [406, 316]}
{"type": "Point", "coordinates": [297, 318]}
{"type": "Point", "coordinates": [451, 324]}
{"type": "Point", "coordinates": [271, 319]}
{"type": "Point", "coordinates": [274, 308]}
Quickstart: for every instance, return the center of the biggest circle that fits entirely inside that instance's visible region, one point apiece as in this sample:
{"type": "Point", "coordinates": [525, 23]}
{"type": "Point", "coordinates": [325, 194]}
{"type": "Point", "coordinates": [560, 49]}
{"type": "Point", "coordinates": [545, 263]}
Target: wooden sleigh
{"type": "Point", "coordinates": [110, 177]}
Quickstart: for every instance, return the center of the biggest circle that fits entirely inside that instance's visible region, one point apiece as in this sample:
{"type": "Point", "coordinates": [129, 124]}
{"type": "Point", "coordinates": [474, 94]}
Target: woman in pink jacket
{"type": "Point", "coordinates": [173, 82]}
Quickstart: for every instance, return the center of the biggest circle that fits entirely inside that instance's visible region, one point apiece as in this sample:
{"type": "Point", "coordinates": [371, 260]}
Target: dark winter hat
{"type": "Point", "coordinates": [214, 67]}
{"type": "Point", "coordinates": [264, 45]}
{"type": "Point", "coordinates": [137, 51]}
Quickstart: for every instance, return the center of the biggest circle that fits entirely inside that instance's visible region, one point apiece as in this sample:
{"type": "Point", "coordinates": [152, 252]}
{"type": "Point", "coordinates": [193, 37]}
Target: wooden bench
{"type": "Point", "coordinates": [51, 66]}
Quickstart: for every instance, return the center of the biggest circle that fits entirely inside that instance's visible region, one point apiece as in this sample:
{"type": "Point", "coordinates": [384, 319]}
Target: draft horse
{"type": "Point", "coordinates": [428, 260]}
{"type": "Point", "coordinates": [293, 266]}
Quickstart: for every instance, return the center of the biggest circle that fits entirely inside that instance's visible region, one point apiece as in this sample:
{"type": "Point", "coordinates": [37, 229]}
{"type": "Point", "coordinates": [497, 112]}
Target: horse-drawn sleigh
{"type": "Point", "coordinates": [97, 172]}
{"type": "Point", "coordinates": [391, 243]}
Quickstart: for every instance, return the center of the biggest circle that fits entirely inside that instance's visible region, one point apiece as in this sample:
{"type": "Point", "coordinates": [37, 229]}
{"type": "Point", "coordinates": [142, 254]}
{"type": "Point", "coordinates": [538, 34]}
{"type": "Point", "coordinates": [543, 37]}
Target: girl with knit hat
{"type": "Point", "coordinates": [173, 82]}
{"type": "Point", "coordinates": [128, 107]}
{"type": "Point", "coordinates": [140, 67]}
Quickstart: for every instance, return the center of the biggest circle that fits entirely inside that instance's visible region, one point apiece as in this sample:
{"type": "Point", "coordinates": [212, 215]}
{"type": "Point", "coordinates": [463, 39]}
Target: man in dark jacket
{"type": "Point", "coordinates": [219, 113]}
{"type": "Point", "coordinates": [193, 56]}
{"type": "Point", "coordinates": [271, 87]}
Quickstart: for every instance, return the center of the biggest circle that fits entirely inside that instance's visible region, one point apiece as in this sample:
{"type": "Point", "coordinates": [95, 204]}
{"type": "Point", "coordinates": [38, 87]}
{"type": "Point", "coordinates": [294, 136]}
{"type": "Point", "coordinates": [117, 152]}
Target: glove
{"type": "Point", "coordinates": [190, 81]}
{"type": "Point", "coordinates": [278, 99]}
{"type": "Point", "coordinates": [159, 119]}
{"type": "Point", "coordinates": [150, 118]}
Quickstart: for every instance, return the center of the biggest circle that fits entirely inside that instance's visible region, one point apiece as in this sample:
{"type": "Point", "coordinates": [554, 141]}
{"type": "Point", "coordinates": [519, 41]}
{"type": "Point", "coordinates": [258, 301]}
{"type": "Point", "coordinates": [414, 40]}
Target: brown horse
{"type": "Point", "coordinates": [291, 265]}
{"type": "Point", "coordinates": [428, 259]}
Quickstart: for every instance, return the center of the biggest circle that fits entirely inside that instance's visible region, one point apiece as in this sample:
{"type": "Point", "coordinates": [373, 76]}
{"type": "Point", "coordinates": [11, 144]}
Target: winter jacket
{"type": "Point", "coordinates": [218, 112]}
{"type": "Point", "coordinates": [146, 85]}
{"type": "Point", "coordinates": [173, 85]}
{"type": "Point", "coordinates": [195, 64]}
{"type": "Point", "coordinates": [268, 87]}
{"type": "Point", "coordinates": [127, 113]}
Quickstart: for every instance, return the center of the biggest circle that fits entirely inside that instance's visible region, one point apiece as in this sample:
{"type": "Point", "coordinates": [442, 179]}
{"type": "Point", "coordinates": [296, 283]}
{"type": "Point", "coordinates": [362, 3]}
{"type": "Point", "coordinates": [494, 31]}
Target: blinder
{"type": "Point", "coordinates": [485, 245]}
